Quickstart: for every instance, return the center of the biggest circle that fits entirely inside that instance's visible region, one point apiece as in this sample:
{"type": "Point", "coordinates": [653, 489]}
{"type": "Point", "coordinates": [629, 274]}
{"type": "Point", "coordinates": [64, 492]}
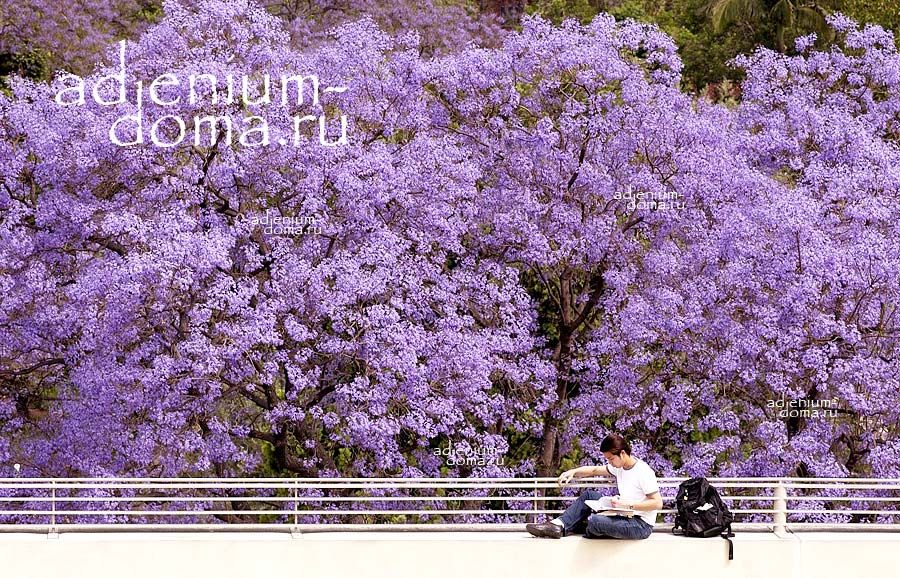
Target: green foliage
{"type": "Point", "coordinates": [883, 12]}
{"type": "Point", "coordinates": [787, 19]}
{"type": "Point", "coordinates": [704, 51]}
{"type": "Point", "coordinates": [709, 33]}
{"type": "Point", "coordinates": [33, 64]}
{"type": "Point", "coordinates": [558, 10]}
{"type": "Point", "coordinates": [150, 12]}
{"type": "Point", "coordinates": [268, 465]}
{"type": "Point", "coordinates": [571, 459]}
{"type": "Point", "coordinates": [724, 13]}
{"type": "Point", "coordinates": [522, 446]}
{"type": "Point", "coordinates": [547, 310]}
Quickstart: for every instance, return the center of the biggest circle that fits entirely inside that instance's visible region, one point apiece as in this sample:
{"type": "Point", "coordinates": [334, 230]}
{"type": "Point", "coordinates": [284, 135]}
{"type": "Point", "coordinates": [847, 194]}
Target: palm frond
{"type": "Point", "coordinates": [783, 13]}
{"type": "Point", "coordinates": [809, 18]}
{"type": "Point", "coordinates": [725, 12]}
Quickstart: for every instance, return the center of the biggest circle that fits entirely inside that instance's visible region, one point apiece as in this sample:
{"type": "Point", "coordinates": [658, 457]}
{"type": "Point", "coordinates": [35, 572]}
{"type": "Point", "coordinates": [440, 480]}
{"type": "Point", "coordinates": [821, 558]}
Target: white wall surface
{"type": "Point", "coordinates": [443, 555]}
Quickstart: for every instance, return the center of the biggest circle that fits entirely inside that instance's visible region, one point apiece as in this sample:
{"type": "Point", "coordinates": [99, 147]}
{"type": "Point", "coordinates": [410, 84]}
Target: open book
{"type": "Point", "coordinates": [604, 507]}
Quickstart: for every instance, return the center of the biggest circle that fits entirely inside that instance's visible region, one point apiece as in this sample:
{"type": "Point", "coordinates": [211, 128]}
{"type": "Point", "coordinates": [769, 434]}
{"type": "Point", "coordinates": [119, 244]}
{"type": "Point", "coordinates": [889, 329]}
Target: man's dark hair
{"type": "Point", "coordinates": [614, 444]}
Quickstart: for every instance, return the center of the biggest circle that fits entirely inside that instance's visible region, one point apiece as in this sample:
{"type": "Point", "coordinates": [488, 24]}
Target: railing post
{"type": "Point", "coordinates": [52, 533]}
{"type": "Point", "coordinates": [296, 501]}
{"type": "Point", "coordinates": [534, 503]}
{"type": "Point", "coordinates": [780, 506]}
{"type": "Point", "coordinates": [295, 531]}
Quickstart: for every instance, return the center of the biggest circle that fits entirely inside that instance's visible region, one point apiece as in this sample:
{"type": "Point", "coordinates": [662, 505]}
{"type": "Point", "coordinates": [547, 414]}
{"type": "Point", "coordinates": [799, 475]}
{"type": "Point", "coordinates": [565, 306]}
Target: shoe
{"type": "Point", "coordinates": [545, 530]}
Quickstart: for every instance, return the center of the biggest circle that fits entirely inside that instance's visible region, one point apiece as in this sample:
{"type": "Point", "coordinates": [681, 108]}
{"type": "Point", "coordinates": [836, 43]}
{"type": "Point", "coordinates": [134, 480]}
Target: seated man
{"type": "Point", "coordinates": [638, 490]}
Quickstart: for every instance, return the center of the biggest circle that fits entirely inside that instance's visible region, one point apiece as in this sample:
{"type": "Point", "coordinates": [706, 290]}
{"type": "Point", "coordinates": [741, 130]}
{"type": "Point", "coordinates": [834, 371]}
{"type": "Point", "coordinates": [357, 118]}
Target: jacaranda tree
{"type": "Point", "coordinates": [513, 249]}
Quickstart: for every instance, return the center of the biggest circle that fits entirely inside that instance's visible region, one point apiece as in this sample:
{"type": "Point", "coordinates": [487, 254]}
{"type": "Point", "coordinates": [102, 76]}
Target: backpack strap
{"type": "Point", "coordinates": [728, 534]}
{"type": "Point", "coordinates": [704, 487]}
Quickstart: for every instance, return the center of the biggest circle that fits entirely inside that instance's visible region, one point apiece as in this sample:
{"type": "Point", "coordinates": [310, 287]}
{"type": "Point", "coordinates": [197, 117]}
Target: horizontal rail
{"type": "Point", "coordinates": [404, 482]}
{"type": "Point", "coordinates": [369, 512]}
{"type": "Point", "coordinates": [304, 499]}
{"type": "Point", "coordinates": [77, 503]}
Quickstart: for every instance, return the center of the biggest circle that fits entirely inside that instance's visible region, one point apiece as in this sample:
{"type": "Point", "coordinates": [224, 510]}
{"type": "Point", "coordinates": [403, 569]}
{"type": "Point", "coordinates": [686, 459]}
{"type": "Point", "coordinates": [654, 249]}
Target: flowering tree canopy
{"type": "Point", "coordinates": [518, 246]}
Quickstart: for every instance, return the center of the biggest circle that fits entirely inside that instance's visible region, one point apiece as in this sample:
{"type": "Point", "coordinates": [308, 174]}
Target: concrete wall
{"type": "Point", "coordinates": [443, 555]}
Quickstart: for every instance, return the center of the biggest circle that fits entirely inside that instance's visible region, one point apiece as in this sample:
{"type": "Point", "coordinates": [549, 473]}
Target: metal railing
{"type": "Point", "coordinates": [443, 504]}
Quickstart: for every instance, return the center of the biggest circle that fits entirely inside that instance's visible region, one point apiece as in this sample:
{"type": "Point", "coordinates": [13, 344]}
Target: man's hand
{"type": "Point", "coordinates": [617, 503]}
{"type": "Point", "coordinates": [566, 477]}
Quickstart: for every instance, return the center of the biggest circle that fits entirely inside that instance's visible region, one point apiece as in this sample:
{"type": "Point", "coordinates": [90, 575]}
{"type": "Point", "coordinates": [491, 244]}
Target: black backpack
{"type": "Point", "coordinates": [701, 512]}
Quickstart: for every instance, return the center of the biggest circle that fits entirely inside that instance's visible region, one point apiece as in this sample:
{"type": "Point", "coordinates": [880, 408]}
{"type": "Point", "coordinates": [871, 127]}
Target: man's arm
{"type": "Point", "coordinates": [592, 472]}
{"type": "Point", "coordinates": [653, 502]}
{"type": "Point", "coordinates": [583, 472]}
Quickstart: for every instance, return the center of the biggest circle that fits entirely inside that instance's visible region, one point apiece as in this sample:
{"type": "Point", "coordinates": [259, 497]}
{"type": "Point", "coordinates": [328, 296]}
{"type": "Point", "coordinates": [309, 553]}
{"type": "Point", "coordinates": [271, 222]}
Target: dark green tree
{"type": "Point", "coordinates": [788, 18]}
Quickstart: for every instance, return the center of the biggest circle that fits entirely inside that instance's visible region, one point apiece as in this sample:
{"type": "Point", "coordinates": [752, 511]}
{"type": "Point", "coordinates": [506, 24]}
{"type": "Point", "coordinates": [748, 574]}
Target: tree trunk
{"type": "Point", "coordinates": [549, 458]}
{"type": "Point", "coordinates": [571, 318]}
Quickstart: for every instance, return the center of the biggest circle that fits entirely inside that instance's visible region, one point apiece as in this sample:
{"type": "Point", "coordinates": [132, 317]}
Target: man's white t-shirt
{"type": "Point", "coordinates": [634, 485]}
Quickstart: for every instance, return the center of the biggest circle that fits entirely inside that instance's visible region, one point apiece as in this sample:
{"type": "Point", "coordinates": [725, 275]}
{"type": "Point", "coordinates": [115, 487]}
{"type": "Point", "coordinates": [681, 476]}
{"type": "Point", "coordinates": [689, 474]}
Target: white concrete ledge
{"type": "Point", "coordinates": [442, 555]}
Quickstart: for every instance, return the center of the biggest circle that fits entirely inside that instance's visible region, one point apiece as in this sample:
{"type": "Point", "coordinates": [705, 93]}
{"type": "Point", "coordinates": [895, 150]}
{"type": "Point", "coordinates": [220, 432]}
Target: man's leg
{"type": "Point", "coordinates": [618, 527]}
{"type": "Point", "coordinates": [577, 512]}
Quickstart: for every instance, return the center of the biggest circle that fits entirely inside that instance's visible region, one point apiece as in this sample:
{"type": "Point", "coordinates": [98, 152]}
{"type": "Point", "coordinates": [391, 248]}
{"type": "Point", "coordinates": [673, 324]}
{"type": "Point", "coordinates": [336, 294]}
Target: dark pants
{"type": "Point", "coordinates": [578, 518]}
